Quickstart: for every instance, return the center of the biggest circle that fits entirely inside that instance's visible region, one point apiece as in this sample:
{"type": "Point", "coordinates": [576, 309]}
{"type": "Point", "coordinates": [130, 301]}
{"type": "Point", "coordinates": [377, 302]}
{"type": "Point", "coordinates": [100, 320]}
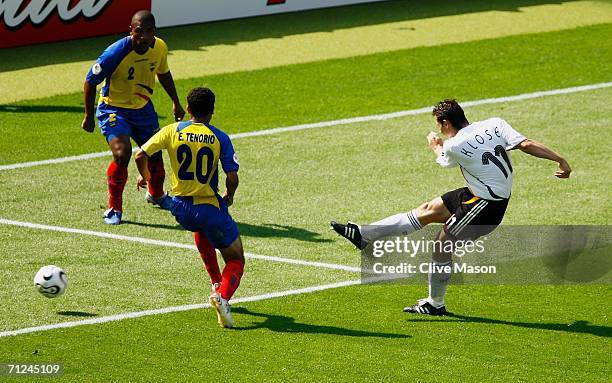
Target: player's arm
{"type": "Point", "coordinates": [142, 160]}
{"type": "Point", "coordinates": [155, 144]}
{"type": "Point", "coordinates": [442, 153]}
{"type": "Point", "coordinates": [104, 66]}
{"type": "Point", "coordinates": [539, 150]}
{"type": "Point", "coordinates": [89, 92]}
{"type": "Point", "coordinates": [167, 82]}
{"type": "Point", "coordinates": [230, 165]}
{"type": "Point", "coordinates": [231, 184]}
{"type": "Point", "coordinates": [435, 143]}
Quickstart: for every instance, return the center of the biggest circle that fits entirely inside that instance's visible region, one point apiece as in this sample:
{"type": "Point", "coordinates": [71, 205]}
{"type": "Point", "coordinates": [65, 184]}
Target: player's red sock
{"type": "Point", "coordinates": [117, 176]}
{"type": "Point", "coordinates": [156, 184]}
{"type": "Point", "coordinates": [209, 257]}
{"type": "Point", "coordinates": [231, 278]}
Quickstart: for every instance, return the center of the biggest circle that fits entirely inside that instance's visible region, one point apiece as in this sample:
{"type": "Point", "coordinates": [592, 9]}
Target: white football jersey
{"type": "Point", "coordinates": [481, 150]}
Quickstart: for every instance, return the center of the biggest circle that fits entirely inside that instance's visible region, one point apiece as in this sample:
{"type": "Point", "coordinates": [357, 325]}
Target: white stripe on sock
{"type": "Point", "coordinates": [415, 221]}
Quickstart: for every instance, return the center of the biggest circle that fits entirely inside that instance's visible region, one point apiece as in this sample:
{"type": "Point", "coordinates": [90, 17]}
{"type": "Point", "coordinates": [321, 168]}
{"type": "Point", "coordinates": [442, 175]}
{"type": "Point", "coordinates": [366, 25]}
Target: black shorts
{"type": "Point", "coordinates": [472, 217]}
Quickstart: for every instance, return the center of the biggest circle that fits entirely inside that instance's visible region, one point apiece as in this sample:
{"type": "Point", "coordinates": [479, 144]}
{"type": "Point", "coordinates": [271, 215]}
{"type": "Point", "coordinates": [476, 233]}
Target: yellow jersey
{"type": "Point", "coordinates": [195, 150]}
{"type": "Point", "coordinates": [129, 76]}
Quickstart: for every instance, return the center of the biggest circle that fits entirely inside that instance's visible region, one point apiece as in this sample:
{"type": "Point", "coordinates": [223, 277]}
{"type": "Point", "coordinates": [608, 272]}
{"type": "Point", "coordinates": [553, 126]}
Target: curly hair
{"type": "Point", "coordinates": [450, 110]}
{"type": "Point", "coordinates": [201, 101]}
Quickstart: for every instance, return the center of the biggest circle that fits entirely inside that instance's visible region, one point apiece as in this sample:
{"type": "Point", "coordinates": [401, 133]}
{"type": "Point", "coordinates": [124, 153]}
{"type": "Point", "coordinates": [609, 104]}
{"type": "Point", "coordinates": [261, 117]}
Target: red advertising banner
{"type": "Point", "coordinates": [26, 22]}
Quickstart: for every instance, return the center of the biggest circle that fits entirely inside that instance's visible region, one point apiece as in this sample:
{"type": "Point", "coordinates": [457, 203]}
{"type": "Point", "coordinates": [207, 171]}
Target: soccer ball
{"type": "Point", "coordinates": [51, 281]}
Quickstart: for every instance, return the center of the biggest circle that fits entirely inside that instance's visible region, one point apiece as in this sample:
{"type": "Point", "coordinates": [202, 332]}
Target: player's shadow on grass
{"type": "Point", "coordinates": [580, 327]}
{"type": "Point", "coordinates": [275, 231]}
{"type": "Point", "coordinates": [41, 108]}
{"type": "Point", "coordinates": [80, 314]}
{"type": "Point", "coordinates": [286, 324]}
{"type": "Point", "coordinates": [155, 225]}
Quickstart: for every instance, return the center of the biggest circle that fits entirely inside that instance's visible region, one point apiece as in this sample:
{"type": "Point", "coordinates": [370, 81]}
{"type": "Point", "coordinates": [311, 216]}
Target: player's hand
{"type": "Point", "coordinates": [178, 111]}
{"type": "Point", "coordinates": [564, 170]}
{"type": "Point", "coordinates": [141, 182]}
{"type": "Point", "coordinates": [434, 140]}
{"type": "Point", "coordinates": [88, 124]}
{"type": "Point", "coordinates": [229, 200]}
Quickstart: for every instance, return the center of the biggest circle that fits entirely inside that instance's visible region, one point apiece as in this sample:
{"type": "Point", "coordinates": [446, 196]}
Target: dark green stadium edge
{"type": "Point", "coordinates": [339, 88]}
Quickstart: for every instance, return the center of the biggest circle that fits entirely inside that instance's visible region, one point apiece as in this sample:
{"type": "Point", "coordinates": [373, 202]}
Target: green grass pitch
{"type": "Point", "coordinates": [292, 184]}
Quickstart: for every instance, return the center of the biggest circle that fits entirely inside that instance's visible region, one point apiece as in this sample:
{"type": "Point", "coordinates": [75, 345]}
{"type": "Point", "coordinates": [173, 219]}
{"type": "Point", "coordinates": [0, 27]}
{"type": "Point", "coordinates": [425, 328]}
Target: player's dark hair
{"type": "Point", "coordinates": [450, 110]}
{"type": "Point", "coordinates": [201, 102]}
{"type": "Point", "coordinates": [145, 17]}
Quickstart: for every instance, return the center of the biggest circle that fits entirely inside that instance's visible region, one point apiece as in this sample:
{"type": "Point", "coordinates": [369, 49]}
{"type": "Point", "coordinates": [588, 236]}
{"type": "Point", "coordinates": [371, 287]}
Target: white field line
{"type": "Point", "coordinates": [156, 242]}
{"type": "Point", "coordinates": [375, 117]}
{"type": "Point", "coordinates": [166, 310]}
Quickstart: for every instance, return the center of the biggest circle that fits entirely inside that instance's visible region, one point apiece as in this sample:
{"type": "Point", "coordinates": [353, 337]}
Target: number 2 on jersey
{"type": "Point", "coordinates": [185, 157]}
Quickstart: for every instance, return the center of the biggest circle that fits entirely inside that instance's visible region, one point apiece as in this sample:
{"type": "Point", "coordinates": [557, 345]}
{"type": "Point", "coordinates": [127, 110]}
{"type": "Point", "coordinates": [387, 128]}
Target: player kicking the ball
{"type": "Point", "coordinates": [480, 150]}
{"type": "Point", "coordinates": [195, 149]}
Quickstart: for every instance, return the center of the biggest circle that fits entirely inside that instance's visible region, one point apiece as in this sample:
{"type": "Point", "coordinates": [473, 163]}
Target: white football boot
{"type": "Point", "coordinates": [222, 307]}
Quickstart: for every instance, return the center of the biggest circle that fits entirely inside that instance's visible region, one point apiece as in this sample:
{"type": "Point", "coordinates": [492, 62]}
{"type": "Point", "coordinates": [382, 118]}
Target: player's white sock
{"type": "Point", "coordinates": [438, 281]}
{"type": "Point", "coordinates": [398, 224]}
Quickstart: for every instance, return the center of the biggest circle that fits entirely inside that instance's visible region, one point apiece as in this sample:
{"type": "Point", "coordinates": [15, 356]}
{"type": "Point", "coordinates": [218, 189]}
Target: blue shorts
{"type": "Point", "coordinates": [215, 223]}
{"type": "Point", "coordinates": [140, 124]}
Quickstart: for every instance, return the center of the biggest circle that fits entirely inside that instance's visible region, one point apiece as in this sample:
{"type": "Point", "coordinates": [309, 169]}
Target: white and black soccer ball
{"type": "Point", "coordinates": [51, 281]}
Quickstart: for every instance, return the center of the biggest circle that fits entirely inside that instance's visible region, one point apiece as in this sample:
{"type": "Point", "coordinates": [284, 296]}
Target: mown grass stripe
{"type": "Point", "coordinates": [344, 121]}
{"type": "Point", "coordinates": [322, 91]}
{"type": "Point", "coordinates": [155, 242]}
{"type": "Point", "coordinates": [174, 309]}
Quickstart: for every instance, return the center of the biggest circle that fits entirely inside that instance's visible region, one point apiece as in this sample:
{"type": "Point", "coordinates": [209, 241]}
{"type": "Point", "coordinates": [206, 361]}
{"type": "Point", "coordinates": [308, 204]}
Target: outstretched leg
{"type": "Point", "coordinates": [433, 211]}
